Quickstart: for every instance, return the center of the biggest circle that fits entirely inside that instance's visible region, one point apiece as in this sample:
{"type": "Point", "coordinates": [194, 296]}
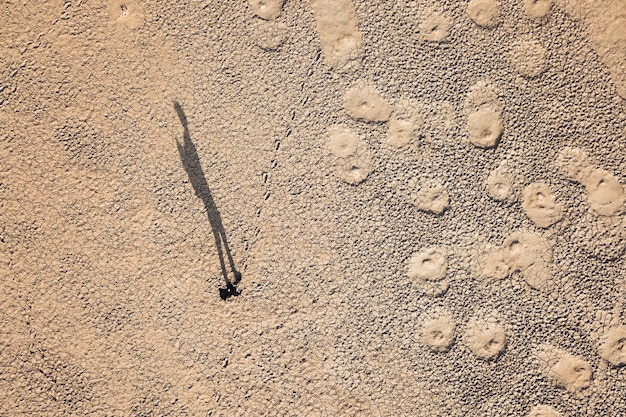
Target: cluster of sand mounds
{"type": "Point", "coordinates": [527, 55]}
{"type": "Point", "coordinates": [427, 271]}
{"type": "Point", "coordinates": [605, 194]}
{"type": "Point", "coordinates": [484, 115]}
{"type": "Point", "coordinates": [540, 204]}
{"type": "Point", "coordinates": [564, 369]}
{"type": "Point", "coordinates": [526, 253]}
{"type": "Point", "coordinates": [602, 231]}
{"type": "Point", "coordinates": [543, 411]}
{"type": "Point", "coordinates": [364, 103]}
{"type": "Point", "coordinates": [405, 120]}
{"type": "Point", "coordinates": [352, 158]}
{"type": "Point", "coordinates": [342, 42]}
{"type": "Point", "coordinates": [284, 340]}
{"type": "Point", "coordinates": [486, 336]}
{"type": "Point", "coordinates": [354, 161]}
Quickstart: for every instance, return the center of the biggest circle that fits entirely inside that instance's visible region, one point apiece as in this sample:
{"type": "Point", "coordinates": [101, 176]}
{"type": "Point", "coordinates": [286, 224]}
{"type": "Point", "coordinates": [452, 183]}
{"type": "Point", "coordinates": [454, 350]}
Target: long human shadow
{"type": "Point", "coordinates": [191, 163]}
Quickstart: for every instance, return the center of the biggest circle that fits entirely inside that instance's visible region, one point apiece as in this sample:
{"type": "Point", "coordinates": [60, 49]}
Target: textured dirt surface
{"type": "Point", "coordinates": [412, 208]}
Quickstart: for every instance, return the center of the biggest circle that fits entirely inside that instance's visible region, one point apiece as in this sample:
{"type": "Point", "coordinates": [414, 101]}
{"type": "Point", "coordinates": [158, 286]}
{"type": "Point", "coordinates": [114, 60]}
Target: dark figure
{"type": "Point", "coordinates": [191, 163]}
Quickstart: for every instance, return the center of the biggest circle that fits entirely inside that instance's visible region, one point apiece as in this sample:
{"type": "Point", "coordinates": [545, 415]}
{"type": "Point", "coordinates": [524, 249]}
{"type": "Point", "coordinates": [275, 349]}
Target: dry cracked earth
{"type": "Point", "coordinates": [313, 208]}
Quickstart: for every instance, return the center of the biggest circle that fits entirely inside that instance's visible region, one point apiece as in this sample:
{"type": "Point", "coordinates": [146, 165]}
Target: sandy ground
{"type": "Point", "coordinates": [412, 208]}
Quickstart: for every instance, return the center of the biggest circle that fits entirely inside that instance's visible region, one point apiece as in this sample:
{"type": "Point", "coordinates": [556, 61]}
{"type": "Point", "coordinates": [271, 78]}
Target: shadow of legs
{"type": "Point", "coordinates": [193, 167]}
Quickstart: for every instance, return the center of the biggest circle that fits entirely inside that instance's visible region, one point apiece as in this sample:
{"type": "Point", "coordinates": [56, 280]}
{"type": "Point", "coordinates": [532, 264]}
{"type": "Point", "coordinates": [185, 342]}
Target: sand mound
{"type": "Point", "coordinates": [430, 196]}
{"type": "Point", "coordinates": [429, 264]}
{"type": "Point", "coordinates": [606, 24]}
{"type": "Point", "coordinates": [342, 141]}
{"type": "Point", "coordinates": [405, 122]}
{"type": "Point", "coordinates": [342, 43]}
{"type": "Point", "coordinates": [363, 102]}
{"type": "Point", "coordinates": [604, 192]}
{"type": "Point", "coordinates": [482, 95]}
{"type": "Point", "coordinates": [435, 27]}
{"type": "Point", "coordinates": [531, 255]}
{"type": "Point", "coordinates": [540, 204]}
{"type": "Point", "coordinates": [401, 132]}
{"type": "Point", "coordinates": [564, 369]}
{"type": "Point", "coordinates": [537, 9]}
{"type": "Point", "coordinates": [494, 266]}
{"type": "Point", "coordinates": [485, 13]}
{"type": "Point", "coordinates": [486, 337]}
{"type": "Point", "coordinates": [523, 249]}
{"type": "Point", "coordinates": [528, 57]}
{"type": "Point", "coordinates": [438, 330]}
{"type": "Point", "coordinates": [543, 411]}
{"type": "Point", "coordinates": [500, 184]}
{"type": "Point", "coordinates": [539, 276]}
{"type": "Point", "coordinates": [484, 127]}
{"type": "Point", "coordinates": [266, 9]}
{"type": "Point", "coordinates": [355, 168]}
{"type": "Point", "coordinates": [268, 35]}
{"type": "Point", "coordinates": [126, 13]}
{"type": "Point", "coordinates": [612, 345]}
{"type": "Point", "coordinates": [574, 163]}
{"type": "Point", "coordinates": [487, 262]}
{"type": "Point", "coordinates": [427, 270]}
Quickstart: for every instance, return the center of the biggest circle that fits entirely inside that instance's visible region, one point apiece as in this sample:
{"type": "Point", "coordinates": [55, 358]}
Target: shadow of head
{"type": "Point", "coordinates": [181, 114]}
